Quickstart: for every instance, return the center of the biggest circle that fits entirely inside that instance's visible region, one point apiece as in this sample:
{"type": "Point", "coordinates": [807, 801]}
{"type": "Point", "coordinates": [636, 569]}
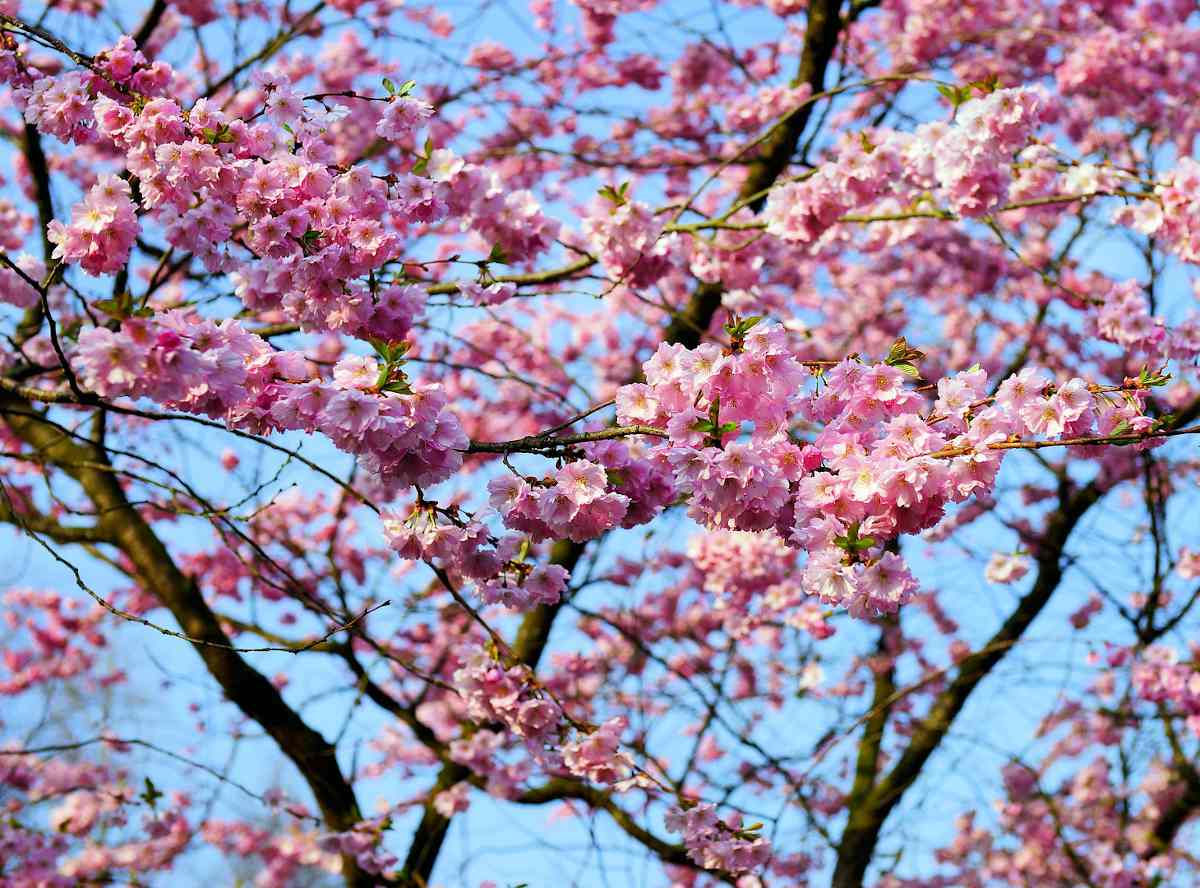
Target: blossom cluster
{"type": "Point", "coordinates": [87, 799]}
{"type": "Point", "coordinates": [967, 164]}
{"type": "Point", "coordinates": [1006, 567]}
{"type": "Point", "coordinates": [15, 289]}
{"type": "Point", "coordinates": [1173, 216]}
{"type": "Point", "coordinates": [971, 159]}
{"type": "Point", "coordinates": [628, 239]}
{"type": "Point", "coordinates": [182, 361]}
{"type": "Point", "coordinates": [14, 226]}
{"type": "Point", "coordinates": [702, 397]}
{"type": "Point", "coordinates": [401, 117]}
{"type": "Point", "coordinates": [283, 854]}
{"type": "Point", "coordinates": [483, 753]}
{"type": "Point", "coordinates": [60, 106]}
{"type": "Point", "coordinates": [878, 467]}
{"type": "Point", "coordinates": [62, 644]}
{"type": "Point", "coordinates": [313, 236]}
{"type": "Point", "coordinates": [219, 369]}
{"type": "Point", "coordinates": [577, 504]}
{"type": "Point", "coordinates": [753, 578]}
{"type": "Point", "coordinates": [494, 694]}
{"type": "Point", "coordinates": [466, 551]}
{"type": "Point", "coordinates": [597, 756]}
{"type": "Point", "coordinates": [102, 230]}
{"type": "Point", "coordinates": [363, 843]}
{"type": "Point", "coordinates": [401, 439]}
{"type": "Point", "coordinates": [1160, 677]}
{"type": "Point", "coordinates": [717, 844]}
{"type": "Point", "coordinates": [749, 112]}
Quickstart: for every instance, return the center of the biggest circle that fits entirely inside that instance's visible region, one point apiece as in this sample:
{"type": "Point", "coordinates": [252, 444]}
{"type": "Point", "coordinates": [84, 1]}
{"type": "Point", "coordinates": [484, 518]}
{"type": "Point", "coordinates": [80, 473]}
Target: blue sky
{"type": "Point", "coordinates": [505, 842]}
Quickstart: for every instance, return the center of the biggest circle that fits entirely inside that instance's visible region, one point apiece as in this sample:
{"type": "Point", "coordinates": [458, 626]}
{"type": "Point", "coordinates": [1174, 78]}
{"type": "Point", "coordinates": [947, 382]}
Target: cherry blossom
{"type": "Point", "coordinates": [753, 444]}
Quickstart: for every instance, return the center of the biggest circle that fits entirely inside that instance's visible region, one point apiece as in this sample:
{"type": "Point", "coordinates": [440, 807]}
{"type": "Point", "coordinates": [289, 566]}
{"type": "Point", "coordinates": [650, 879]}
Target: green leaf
{"type": "Point", "coordinates": [985, 87]}
{"type": "Point", "coordinates": [852, 542]}
{"type": "Point", "coordinates": [498, 255]}
{"type": "Point", "coordinates": [616, 195]}
{"type": "Point", "coordinates": [389, 86]}
{"type": "Point", "coordinates": [616, 477]}
{"type": "Point", "coordinates": [1151, 378]}
{"type": "Point", "coordinates": [955, 95]}
{"type": "Point", "coordinates": [309, 239]}
{"type": "Point", "coordinates": [151, 795]}
{"type": "Point", "coordinates": [910, 369]}
{"type": "Point", "coordinates": [903, 353]}
{"type": "Point", "coordinates": [119, 306]}
{"type": "Point", "coordinates": [217, 136]}
{"type": "Point", "coordinates": [390, 350]}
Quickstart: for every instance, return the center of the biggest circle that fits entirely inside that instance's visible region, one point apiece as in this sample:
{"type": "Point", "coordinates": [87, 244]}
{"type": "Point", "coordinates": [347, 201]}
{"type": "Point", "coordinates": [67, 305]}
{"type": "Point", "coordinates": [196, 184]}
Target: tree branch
{"type": "Point", "coordinates": [686, 327]}
{"type": "Point", "coordinates": [857, 846]}
{"type": "Point", "coordinates": [247, 688]}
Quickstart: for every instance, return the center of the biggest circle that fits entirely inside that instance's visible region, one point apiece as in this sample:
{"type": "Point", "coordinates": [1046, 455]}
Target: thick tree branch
{"type": "Point", "coordinates": [247, 688]}
{"type": "Point", "coordinates": [866, 819]}
{"type": "Point", "coordinates": [866, 768]}
{"type": "Point", "coordinates": [146, 29]}
{"type": "Point", "coordinates": [1185, 806]}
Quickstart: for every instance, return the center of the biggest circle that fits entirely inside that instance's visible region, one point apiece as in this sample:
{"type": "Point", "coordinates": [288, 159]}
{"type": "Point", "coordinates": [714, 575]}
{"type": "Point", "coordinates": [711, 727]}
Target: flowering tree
{"type": "Point", "coordinates": [718, 424]}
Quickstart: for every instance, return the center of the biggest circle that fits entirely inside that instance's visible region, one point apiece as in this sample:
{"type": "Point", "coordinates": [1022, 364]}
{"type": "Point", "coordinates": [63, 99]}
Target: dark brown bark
{"type": "Point", "coordinates": [146, 29]}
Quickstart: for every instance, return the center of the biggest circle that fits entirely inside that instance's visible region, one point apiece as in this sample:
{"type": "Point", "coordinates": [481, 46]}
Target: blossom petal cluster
{"type": "Point", "coordinates": [879, 466]}
{"type": "Point", "coordinates": [219, 369]}
{"type": "Point", "coordinates": [967, 163]}
{"type": "Point", "coordinates": [102, 230]}
{"type": "Point", "coordinates": [577, 503]}
{"type": "Point", "coordinates": [716, 844]}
